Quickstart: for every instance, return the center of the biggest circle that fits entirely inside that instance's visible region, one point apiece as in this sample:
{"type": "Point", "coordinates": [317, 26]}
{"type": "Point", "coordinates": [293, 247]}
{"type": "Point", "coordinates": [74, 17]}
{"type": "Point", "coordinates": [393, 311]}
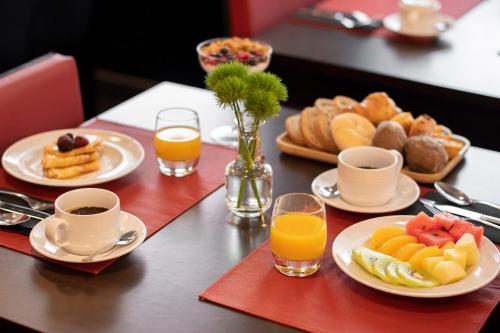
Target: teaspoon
{"type": "Point", "coordinates": [460, 198]}
{"type": "Point", "coordinates": [329, 191]}
{"type": "Point", "coordinates": [125, 239]}
{"type": "Point", "coordinates": [10, 218]}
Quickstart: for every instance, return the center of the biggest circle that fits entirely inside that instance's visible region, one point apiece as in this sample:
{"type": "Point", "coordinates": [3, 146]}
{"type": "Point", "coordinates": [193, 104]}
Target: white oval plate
{"type": "Point", "coordinates": [407, 192]}
{"type": "Point", "coordinates": [357, 234]}
{"type": "Point", "coordinates": [50, 250]}
{"type": "Point", "coordinates": [121, 155]}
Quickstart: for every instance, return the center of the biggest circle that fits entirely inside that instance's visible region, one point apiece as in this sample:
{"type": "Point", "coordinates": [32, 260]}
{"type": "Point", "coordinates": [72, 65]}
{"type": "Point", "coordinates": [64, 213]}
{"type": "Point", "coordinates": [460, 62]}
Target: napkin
{"type": "Point", "coordinates": [23, 228]}
{"type": "Point", "coordinates": [491, 233]}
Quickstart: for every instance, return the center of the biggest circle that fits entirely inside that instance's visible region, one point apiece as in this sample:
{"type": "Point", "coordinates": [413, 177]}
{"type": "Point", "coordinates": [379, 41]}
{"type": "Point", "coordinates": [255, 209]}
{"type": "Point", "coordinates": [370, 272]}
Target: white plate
{"type": "Point", "coordinates": [477, 276]}
{"type": "Point", "coordinates": [393, 23]}
{"type": "Point", "coordinates": [407, 193]}
{"type": "Point", "coordinates": [121, 155]}
{"type": "Point", "coordinates": [50, 250]}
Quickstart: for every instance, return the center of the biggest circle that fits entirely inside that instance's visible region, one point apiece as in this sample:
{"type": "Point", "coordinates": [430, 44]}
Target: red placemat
{"type": "Point", "coordinates": [156, 199]}
{"type": "Point", "coordinates": [382, 8]}
{"type": "Point", "coordinates": [330, 301]}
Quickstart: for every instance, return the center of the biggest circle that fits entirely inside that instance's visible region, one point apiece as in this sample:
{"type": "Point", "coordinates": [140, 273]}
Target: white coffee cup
{"type": "Point", "coordinates": [84, 234]}
{"type": "Point", "coordinates": [418, 15]}
{"type": "Point", "coordinates": [368, 176]}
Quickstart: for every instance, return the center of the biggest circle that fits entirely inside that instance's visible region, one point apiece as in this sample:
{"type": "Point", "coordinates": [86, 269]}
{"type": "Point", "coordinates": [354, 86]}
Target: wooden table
{"type": "Point", "coordinates": [455, 79]}
{"type": "Point", "coordinates": [155, 288]}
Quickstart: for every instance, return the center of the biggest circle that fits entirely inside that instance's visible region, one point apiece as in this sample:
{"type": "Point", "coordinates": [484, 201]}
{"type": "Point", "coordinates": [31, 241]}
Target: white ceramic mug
{"type": "Point", "coordinates": [368, 176]}
{"type": "Point", "coordinates": [418, 15]}
{"type": "Point", "coordinates": [84, 234]}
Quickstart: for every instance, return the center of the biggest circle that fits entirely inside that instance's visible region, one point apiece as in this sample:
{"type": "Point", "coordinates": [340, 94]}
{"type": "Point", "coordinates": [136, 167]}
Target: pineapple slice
{"type": "Point", "coordinates": [467, 244]}
{"type": "Point", "coordinates": [448, 271]}
{"type": "Point", "coordinates": [429, 263]}
{"type": "Point", "coordinates": [460, 256]}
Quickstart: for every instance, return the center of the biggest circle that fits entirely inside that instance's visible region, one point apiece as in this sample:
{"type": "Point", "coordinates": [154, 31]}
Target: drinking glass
{"type": "Point", "coordinates": [298, 234]}
{"type": "Point", "coordinates": [177, 141]}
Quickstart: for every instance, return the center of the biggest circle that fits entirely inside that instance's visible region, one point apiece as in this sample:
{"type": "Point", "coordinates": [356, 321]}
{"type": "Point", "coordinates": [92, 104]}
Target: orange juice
{"type": "Point", "coordinates": [178, 143]}
{"type": "Point", "coordinates": [298, 236]}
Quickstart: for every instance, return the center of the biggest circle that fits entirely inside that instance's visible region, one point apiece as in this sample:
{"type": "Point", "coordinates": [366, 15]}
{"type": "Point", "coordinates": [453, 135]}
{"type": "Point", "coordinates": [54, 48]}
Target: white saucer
{"type": "Point", "coordinates": [46, 248]}
{"type": "Point", "coordinates": [393, 23]}
{"type": "Point", "coordinates": [407, 193]}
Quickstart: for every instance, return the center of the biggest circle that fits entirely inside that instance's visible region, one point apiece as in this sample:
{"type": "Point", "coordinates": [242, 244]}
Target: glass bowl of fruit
{"type": "Point", "coordinates": [255, 54]}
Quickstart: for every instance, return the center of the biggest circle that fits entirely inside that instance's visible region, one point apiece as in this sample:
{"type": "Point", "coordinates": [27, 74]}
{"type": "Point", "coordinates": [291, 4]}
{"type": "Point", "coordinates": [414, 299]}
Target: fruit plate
{"type": "Point", "coordinates": [286, 145]}
{"type": "Point", "coordinates": [356, 235]}
{"type": "Point", "coordinates": [121, 155]}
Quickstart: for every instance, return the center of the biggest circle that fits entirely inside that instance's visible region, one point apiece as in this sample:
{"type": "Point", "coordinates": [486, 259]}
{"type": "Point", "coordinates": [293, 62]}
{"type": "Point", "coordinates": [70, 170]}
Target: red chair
{"type": "Point", "coordinates": [251, 17]}
{"type": "Point", "coordinates": [41, 95]}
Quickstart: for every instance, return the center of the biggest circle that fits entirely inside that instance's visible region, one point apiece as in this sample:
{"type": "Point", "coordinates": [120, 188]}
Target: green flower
{"type": "Point", "coordinates": [222, 72]}
{"type": "Point", "coordinates": [268, 82]}
{"type": "Point", "coordinates": [230, 90]}
{"type": "Point", "coordinates": [262, 104]}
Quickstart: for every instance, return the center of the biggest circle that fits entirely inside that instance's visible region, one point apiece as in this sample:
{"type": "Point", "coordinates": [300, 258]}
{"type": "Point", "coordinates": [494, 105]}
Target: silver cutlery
{"type": "Point", "coordinates": [454, 195]}
{"type": "Point", "coordinates": [329, 191]}
{"type": "Point", "coordinates": [10, 218]}
{"type": "Point", "coordinates": [349, 20]}
{"type": "Point", "coordinates": [125, 239]}
{"type": "Point", "coordinates": [13, 208]}
{"type": "Point", "coordinates": [431, 206]}
{"type": "Point", "coordinates": [33, 203]}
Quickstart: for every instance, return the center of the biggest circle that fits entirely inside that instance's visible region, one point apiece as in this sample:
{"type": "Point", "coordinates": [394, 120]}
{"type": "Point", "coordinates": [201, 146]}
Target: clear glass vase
{"type": "Point", "coordinates": [249, 180]}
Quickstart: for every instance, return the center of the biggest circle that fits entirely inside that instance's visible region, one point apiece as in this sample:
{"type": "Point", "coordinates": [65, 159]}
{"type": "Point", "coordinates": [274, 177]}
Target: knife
{"type": "Point", "coordinates": [468, 213]}
{"type": "Point", "coordinates": [25, 210]}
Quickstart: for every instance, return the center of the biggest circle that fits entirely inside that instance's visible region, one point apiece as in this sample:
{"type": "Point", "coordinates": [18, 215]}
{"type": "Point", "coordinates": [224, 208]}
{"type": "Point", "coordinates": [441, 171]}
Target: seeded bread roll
{"type": "Point", "coordinates": [308, 119]}
{"type": "Point", "coordinates": [390, 135]}
{"type": "Point", "coordinates": [425, 154]}
{"type": "Point", "coordinates": [292, 125]}
{"type": "Point", "coordinates": [352, 130]}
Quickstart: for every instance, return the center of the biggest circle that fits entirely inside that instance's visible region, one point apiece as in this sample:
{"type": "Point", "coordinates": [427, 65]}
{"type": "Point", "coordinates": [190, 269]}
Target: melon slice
{"type": "Point", "coordinates": [448, 271]}
{"type": "Point", "coordinates": [467, 243]}
{"type": "Point", "coordinates": [420, 223]}
{"type": "Point", "coordinates": [429, 263]}
{"type": "Point", "coordinates": [436, 237]}
{"type": "Point", "coordinates": [459, 256]}
{"type": "Point", "coordinates": [420, 255]}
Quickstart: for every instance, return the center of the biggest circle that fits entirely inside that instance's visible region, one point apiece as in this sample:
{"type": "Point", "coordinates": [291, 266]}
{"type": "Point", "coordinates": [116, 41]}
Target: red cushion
{"type": "Point", "coordinates": [40, 96]}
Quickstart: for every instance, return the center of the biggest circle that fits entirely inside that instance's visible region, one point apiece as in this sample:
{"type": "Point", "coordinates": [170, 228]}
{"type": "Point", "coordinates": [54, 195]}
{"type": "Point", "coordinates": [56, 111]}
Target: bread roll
{"type": "Point", "coordinates": [405, 119]}
{"type": "Point", "coordinates": [308, 119]}
{"type": "Point", "coordinates": [351, 130]}
{"type": "Point", "coordinates": [327, 112]}
{"type": "Point", "coordinates": [452, 146]}
{"type": "Point", "coordinates": [390, 135]}
{"type": "Point", "coordinates": [292, 125]}
{"type": "Point", "coordinates": [340, 103]}
{"type": "Point", "coordinates": [425, 154]}
{"type": "Point", "coordinates": [376, 107]}
{"type": "Point", "coordinates": [423, 125]}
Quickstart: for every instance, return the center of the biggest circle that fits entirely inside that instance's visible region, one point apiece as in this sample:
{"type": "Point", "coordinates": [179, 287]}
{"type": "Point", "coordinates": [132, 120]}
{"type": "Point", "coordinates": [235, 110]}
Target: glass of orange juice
{"type": "Point", "coordinates": [177, 141]}
{"type": "Point", "coordinates": [298, 234]}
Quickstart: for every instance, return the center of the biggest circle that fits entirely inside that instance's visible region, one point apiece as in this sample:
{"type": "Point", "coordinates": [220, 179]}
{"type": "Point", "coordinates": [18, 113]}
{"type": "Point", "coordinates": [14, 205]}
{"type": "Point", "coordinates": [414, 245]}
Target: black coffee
{"type": "Point", "coordinates": [88, 210]}
{"type": "Point", "coordinates": [367, 167]}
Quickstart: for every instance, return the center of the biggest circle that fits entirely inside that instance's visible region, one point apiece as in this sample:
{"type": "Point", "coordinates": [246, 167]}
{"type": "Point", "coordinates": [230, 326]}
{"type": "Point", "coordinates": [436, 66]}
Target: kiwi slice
{"type": "Point", "coordinates": [412, 278]}
{"type": "Point", "coordinates": [391, 274]}
{"type": "Point", "coordinates": [367, 258]}
{"type": "Point", "coordinates": [380, 266]}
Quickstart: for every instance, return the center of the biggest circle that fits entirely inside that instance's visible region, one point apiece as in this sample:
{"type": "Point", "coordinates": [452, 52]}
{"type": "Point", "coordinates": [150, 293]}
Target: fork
{"type": "Point", "coordinates": [435, 211]}
{"type": "Point", "coordinates": [33, 203]}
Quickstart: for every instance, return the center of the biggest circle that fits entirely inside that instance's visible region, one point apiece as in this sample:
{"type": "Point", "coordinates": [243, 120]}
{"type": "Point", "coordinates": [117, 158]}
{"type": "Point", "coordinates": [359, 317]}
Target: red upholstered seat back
{"type": "Point", "coordinates": [251, 17]}
{"type": "Point", "coordinates": [39, 96]}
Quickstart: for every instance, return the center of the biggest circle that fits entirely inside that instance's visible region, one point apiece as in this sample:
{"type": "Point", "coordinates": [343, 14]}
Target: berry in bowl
{"type": "Point", "coordinates": [255, 54]}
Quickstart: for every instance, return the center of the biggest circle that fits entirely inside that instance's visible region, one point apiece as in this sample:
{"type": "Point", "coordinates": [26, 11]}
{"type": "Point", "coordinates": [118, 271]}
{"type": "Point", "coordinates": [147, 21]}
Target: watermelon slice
{"type": "Point", "coordinates": [446, 220]}
{"type": "Point", "coordinates": [436, 237]}
{"type": "Point", "coordinates": [462, 227]}
{"type": "Point", "coordinates": [421, 223]}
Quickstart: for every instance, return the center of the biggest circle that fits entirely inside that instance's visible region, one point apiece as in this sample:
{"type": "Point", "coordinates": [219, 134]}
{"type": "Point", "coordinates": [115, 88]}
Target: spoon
{"type": "Point", "coordinates": [12, 218]}
{"type": "Point", "coordinates": [460, 198]}
{"type": "Point", "coordinates": [329, 191]}
{"type": "Point", "coordinates": [125, 239]}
